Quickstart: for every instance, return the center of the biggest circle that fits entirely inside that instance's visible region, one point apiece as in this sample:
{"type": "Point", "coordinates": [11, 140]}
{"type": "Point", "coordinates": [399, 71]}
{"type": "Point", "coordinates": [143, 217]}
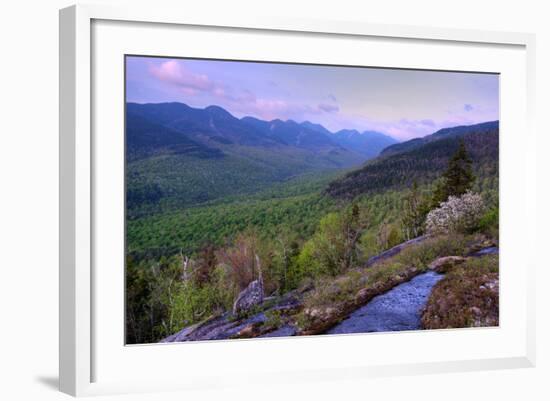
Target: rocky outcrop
{"type": "Point", "coordinates": [395, 250]}
{"type": "Point", "coordinates": [259, 324]}
{"type": "Point", "coordinates": [251, 296]}
{"type": "Point", "coordinates": [283, 331]}
{"type": "Point", "coordinates": [443, 264]}
{"type": "Point", "coordinates": [492, 250]}
{"type": "Point", "coordinates": [250, 330]}
{"type": "Point", "coordinates": [255, 315]}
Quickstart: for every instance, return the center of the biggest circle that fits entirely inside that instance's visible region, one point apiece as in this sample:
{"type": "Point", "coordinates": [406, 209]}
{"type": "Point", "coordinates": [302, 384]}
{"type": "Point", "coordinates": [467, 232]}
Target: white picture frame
{"type": "Point", "coordinates": [82, 345]}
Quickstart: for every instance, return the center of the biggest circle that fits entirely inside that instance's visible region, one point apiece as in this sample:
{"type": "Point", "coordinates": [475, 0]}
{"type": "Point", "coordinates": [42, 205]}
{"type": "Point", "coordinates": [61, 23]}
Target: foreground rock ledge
{"type": "Point", "coordinates": [320, 319]}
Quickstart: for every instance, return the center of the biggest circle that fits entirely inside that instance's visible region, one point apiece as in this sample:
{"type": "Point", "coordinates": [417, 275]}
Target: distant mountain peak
{"type": "Point", "coordinates": [368, 143]}
{"type": "Point", "coordinates": [218, 111]}
{"type": "Point", "coordinates": [347, 132]}
{"type": "Point", "coordinates": [316, 127]}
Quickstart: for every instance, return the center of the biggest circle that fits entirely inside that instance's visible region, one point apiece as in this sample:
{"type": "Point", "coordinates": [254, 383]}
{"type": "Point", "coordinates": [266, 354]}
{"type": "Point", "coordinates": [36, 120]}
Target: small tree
{"type": "Point", "coordinates": [387, 236]}
{"type": "Point", "coordinates": [335, 245]}
{"type": "Point", "coordinates": [415, 209]}
{"type": "Point", "coordinates": [205, 265]}
{"type": "Point", "coordinates": [457, 179]}
{"type": "Point", "coordinates": [186, 266]}
{"type": "Point", "coordinates": [283, 256]}
{"type": "Point", "coordinates": [308, 263]}
{"type": "Point", "coordinates": [241, 258]}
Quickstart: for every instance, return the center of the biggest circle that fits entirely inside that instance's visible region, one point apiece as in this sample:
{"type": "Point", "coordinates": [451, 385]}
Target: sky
{"type": "Point", "coordinates": [401, 103]}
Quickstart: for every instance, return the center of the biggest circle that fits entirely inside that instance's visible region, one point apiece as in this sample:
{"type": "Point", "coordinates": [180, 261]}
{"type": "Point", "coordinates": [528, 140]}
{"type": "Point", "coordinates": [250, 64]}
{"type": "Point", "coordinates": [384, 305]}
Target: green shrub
{"type": "Point", "coordinates": [368, 246]}
{"type": "Point", "coordinates": [335, 245]}
{"type": "Point", "coordinates": [283, 273]}
{"type": "Point", "coordinates": [273, 318]}
{"type": "Point", "coordinates": [420, 255]}
{"type": "Point", "coordinates": [307, 263]}
{"type": "Point", "coordinates": [489, 222]}
{"type": "Point", "coordinates": [388, 236]}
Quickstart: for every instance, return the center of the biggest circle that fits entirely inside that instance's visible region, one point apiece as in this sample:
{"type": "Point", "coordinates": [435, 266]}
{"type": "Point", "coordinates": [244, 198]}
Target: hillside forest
{"type": "Point", "coordinates": [240, 227]}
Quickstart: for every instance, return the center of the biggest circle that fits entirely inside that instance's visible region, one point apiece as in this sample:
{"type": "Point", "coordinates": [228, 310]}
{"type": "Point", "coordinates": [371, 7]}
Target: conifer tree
{"type": "Point", "coordinates": [457, 179]}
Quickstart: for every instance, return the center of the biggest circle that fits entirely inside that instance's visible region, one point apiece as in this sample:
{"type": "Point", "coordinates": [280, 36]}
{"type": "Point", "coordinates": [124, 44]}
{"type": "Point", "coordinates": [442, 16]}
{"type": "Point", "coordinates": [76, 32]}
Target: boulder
{"type": "Point", "coordinates": [320, 318]}
{"type": "Point", "coordinates": [249, 331]}
{"type": "Point", "coordinates": [491, 285]}
{"type": "Point", "coordinates": [251, 296]}
{"type": "Point", "coordinates": [443, 264]}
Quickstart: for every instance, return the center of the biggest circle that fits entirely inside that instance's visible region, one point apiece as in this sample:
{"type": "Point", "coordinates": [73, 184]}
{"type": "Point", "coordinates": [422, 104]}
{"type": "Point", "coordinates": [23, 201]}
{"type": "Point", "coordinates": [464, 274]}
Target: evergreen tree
{"type": "Point", "coordinates": [457, 179]}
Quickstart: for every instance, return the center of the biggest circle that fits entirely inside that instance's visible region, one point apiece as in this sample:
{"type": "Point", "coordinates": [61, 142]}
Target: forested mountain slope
{"type": "Point", "coordinates": [444, 133]}
{"type": "Point", "coordinates": [179, 156]}
{"type": "Point", "coordinates": [422, 160]}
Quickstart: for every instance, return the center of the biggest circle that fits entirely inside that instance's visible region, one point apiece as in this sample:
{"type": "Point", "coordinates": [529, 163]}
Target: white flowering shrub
{"type": "Point", "coordinates": [457, 214]}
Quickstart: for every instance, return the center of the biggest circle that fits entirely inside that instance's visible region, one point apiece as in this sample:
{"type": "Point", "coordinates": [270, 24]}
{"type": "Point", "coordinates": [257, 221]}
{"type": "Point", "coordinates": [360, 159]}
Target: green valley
{"type": "Point", "coordinates": [219, 207]}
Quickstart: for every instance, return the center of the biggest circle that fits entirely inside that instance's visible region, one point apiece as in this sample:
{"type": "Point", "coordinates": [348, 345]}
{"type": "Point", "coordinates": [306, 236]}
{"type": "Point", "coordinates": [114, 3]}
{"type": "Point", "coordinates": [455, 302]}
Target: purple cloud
{"type": "Point", "coordinates": [428, 123]}
{"type": "Point", "coordinates": [328, 108]}
{"type": "Point", "coordinates": [468, 107]}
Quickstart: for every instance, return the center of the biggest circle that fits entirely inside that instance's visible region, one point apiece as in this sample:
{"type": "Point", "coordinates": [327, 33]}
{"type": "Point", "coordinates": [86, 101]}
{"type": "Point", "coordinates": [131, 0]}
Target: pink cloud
{"type": "Point", "coordinates": [274, 108]}
{"type": "Point", "coordinates": [175, 73]}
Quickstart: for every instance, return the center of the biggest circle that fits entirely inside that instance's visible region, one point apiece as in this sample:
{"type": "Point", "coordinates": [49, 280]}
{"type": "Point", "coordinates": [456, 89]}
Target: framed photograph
{"type": "Point", "coordinates": [283, 200]}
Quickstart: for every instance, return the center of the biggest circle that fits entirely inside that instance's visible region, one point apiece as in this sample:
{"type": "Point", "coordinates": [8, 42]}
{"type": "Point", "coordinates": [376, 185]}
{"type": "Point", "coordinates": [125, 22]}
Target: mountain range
{"type": "Point", "coordinates": [180, 156]}
{"type": "Point", "coordinates": [214, 126]}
